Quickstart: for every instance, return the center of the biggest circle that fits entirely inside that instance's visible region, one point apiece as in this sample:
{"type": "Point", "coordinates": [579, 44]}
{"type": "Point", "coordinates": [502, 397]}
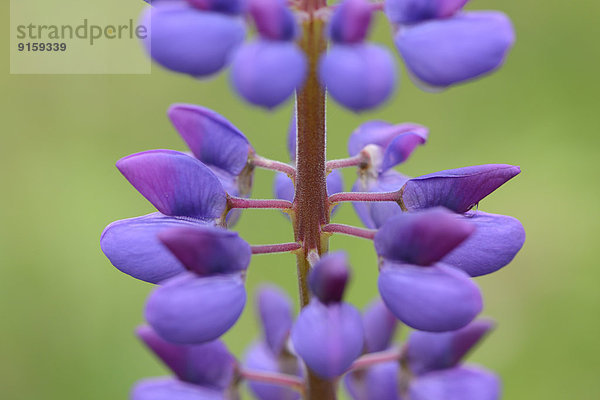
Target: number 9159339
{"type": "Point", "coordinates": [42, 46]}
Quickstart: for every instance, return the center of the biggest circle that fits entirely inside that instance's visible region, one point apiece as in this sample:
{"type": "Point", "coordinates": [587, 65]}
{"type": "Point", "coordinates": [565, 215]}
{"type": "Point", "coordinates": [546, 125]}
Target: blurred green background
{"type": "Point", "coordinates": [67, 315]}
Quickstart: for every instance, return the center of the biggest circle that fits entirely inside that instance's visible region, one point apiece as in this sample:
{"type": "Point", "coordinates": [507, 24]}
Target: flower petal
{"type": "Point", "coordinates": [360, 76]}
{"type": "Point", "coordinates": [260, 358]}
{"type": "Point", "coordinates": [411, 11]}
{"type": "Point", "coordinates": [379, 382]}
{"type": "Point", "coordinates": [273, 19]}
{"type": "Point", "coordinates": [209, 364]}
{"type": "Point", "coordinates": [211, 137]}
{"type": "Point", "coordinates": [208, 250]}
{"type": "Point", "coordinates": [191, 310]}
{"type": "Point", "coordinates": [456, 189]}
{"type": "Point", "coordinates": [292, 136]}
{"type": "Point", "coordinates": [465, 383]}
{"type": "Point", "coordinates": [328, 338]}
{"type": "Point", "coordinates": [434, 299]}
{"type": "Point", "coordinates": [379, 325]}
{"type": "Point", "coordinates": [496, 241]}
{"type": "Point", "coordinates": [132, 246]}
{"type": "Point", "coordinates": [283, 187]}
{"type": "Point", "coordinates": [329, 276]}
{"type": "Point", "coordinates": [421, 238]}
{"type": "Point", "coordinates": [190, 41]}
{"type": "Point", "coordinates": [429, 351]}
{"type": "Point", "coordinates": [175, 183]}
{"type": "Point", "coordinates": [397, 141]}
{"type": "Point", "coordinates": [267, 72]}
{"type": "Point", "coordinates": [172, 389]}
{"type": "Point", "coordinates": [276, 315]}
{"type": "Point", "coordinates": [374, 215]}
{"type": "Point", "coordinates": [350, 21]}
{"type": "Point", "coordinates": [449, 51]}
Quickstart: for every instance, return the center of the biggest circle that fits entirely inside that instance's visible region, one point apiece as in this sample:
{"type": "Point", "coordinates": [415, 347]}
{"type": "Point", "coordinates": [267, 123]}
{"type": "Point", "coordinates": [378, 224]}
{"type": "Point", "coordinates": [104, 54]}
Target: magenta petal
{"type": "Point", "coordinates": [411, 11]}
{"type": "Point", "coordinates": [429, 351]}
{"type": "Point", "coordinates": [496, 241]}
{"type": "Point", "coordinates": [208, 250]}
{"type": "Point", "coordinates": [360, 76]}
{"type": "Point", "coordinates": [328, 338]}
{"type": "Point", "coordinates": [456, 189]}
{"type": "Point", "coordinates": [268, 72]}
{"type": "Point", "coordinates": [276, 315]}
{"type": "Point", "coordinates": [209, 364]}
{"type": "Point", "coordinates": [172, 389]}
{"type": "Point", "coordinates": [449, 51]}
{"type": "Point", "coordinates": [396, 141]}
{"type": "Point", "coordinates": [421, 238]}
{"type": "Point", "coordinates": [465, 383]}
{"type": "Point", "coordinates": [328, 277]}
{"type": "Point", "coordinates": [273, 19]}
{"type": "Point", "coordinates": [260, 358]}
{"type": "Point", "coordinates": [191, 310]}
{"type": "Point", "coordinates": [132, 246]}
{"type": "Point", "coordinates": [187, 40]}
{"type": "Point", "coordinates": [350, 21]}
{"type": "Point", "coordinates": [379, 325]}
{"type": "Point", "coordinates": [211, 137]}
{"type": "Point", "coordinates": [175, 183]}
{"type": "Point", "coordinates": [434, 299]}
{"type": "Point", "coordinates": [379, 382]}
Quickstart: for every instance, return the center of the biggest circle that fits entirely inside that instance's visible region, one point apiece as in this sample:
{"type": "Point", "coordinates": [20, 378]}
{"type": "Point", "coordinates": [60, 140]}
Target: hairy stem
{"type": "Point", "coordinates": [275, 248]}
{"type": "Point", "coordinates": [273, 165]}
{"type": "Point", "coordinates": [274, 378]}
{"type": "Point", "coordinates": [350, 230]}
{"type": "Point", "coordinates": [371, 359]}
{"type": "Point", "coordinates": [239, 202]}
{"type": "Point", "coordinates": [311, 203]}
{"type": "Point", "coordinates": [365, 196]}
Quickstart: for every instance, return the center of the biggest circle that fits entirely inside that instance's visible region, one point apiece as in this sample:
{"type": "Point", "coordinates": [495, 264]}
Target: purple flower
{"type": "Point", "coordinates": [186, 39]}
{"type": "Point", "coordinates": [464, 383]}
{"type": "Point", "coordinates": [172, 389]}
{"type": "Point", "coordinates": [421, 292]}
{"type": "Point", "coordinates": [261, 358]}
{"type": "Point", "coordinates": [445, 52]}
{"type": "Point", "coordinates": [411, 11]}
{"type": "Point", "coordinates": [328, 278]}
{"type": "Point", "coordinates": [379, 326]}
{"type": "Point", "coordinates": [350, 22]}
{"type": "Point", "coordinates": [379, 382]}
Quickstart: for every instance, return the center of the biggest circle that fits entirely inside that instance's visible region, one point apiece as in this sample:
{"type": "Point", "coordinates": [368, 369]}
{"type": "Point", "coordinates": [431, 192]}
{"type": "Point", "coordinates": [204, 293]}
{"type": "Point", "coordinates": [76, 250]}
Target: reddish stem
{"type": "Point", "coordinates": [365, 196]}
{"type": "Point", "coordinates": [347, 162]}
{"type": "Point", "coordinates": [239, 202]}
{"type": "Point", "coordinates": [274, 378]}
{"type": "Point", "coordinates": [371, 359]}
{"type": "Point", "coordinates": [275, 248]}
{"type": "Point", "coordinates": [350, 230]}
{"type": "Point", "coordinates": [273, 165]}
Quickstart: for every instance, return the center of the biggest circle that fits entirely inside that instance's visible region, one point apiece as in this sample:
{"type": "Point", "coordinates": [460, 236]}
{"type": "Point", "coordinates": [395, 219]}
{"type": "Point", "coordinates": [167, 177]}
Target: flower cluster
{"type": "Point", "coordinates": [441, 45]}
{"type": "Point", "coordinates": [429, 235]}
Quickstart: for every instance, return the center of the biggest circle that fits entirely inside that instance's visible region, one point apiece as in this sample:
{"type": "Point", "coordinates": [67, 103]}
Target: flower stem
{"type": "Point", "coordinates": [239, 202]}
{"type": "Point", "coordinates": [357, 160]}
{"type": "Point", "coordinates": [365, 196]}
{"type": "Point", "coordinates": [350, 230]}
{"type": "Point", "coordinates": [275, 248]}
{"type": "Point", "coordinates": [274, 378]}
{"type": "Point", "coordinates": [273, 165]}
{"type": "Point", "coordinates": [371, 359]}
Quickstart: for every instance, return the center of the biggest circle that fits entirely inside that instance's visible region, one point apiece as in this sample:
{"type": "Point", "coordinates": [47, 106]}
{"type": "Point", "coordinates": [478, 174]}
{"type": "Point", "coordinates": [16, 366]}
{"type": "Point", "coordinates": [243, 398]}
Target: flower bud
{"type": "Point", "coordinates": [222, 6]}
{"type": "Point", "coordinates": [350, 21]}
{"type": "Point", "coordinates": [380, 326]}
{"type": "Point", "coordinates": [276, 315]}
{"type": "Point", "coordinates": [411, 11]}
{"type": "Point", "coordinates": [273, 19]}
{"type": "Point", "coordinates": [329, 277]}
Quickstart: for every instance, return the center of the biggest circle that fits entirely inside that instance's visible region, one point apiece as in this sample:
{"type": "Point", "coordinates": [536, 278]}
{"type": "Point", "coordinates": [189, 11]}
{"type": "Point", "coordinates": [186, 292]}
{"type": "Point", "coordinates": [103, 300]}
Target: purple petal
{"type": "Point", "coordinates": [350, 21]}
{"type": "Point", "coordinates": [434, 299]}
{"type": "Point", "coordinates": [328, 338]}
{"type": "Point", "coordinates": [496, 241]}
{"type": "Point", "coordinates": [276, 315]}
{"type": "Point", "coordinates": [190, 310]}
{"type": "Point", "coordinates": [266, 72]}
{"type": "Point", "coordinates": [360, 76]}
{"type": "Point", "coordinates": [449, 51]}
{"type": "Point", "coordinates": [374, 215]}
{"type": "Point", "coordinates": [175, 183]}
{"type": "Point", "coordinates": [380, 326]}
{"type": "Point", "coordinates": [283, 187]}
{"type": "Point", "coordinates": [429, 351]}
{"type": "Point", "coordinates": [260, 358]}
{"type": "Point", "coordinates": [273, 19]}
{"type": "Point", "coordinates": [212, 138]}
{"type": "Point", "coordinates": [132, 246]}
{"type": "Point", "coordinates": [291, 137]}
{"type": "Point", "coordinates": [208, 250]}
{"type": "Point", "coordinates": [379, 382]}
{"type": "Point", "coordinates": [190, 41]}
{"type": "Point", "coordinates": [209, 364]}
{"type": "Point", "coordinates": [172, 389]}
{"type": "Point", "coordinates": [224, 6]}
{"type": "Point", "coordinates": [397, 141]}
{"type": "Point", "coordinates": [456, 189]}
{"type": "Point", "coordinates": [421, 238]}
{"type": "Point", "coordinates": [329, 276]}
{"type": "Point", "coordinates": [335, 182]}
{"type": "Point", "coordinates": [411, 11]}
{"type": "Point", "coordinates": [456, 384]}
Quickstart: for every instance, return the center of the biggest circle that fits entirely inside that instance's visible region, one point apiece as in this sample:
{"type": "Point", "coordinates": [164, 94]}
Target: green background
{"type": "Point", "coordinates": [67, 315]}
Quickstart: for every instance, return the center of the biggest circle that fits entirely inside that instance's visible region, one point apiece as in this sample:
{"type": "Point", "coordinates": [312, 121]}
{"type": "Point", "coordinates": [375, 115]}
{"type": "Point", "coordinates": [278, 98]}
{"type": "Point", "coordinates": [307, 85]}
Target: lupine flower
{"type": "Point", "coordinates": [418, 290]}
{"type": "Point", "coordinates": [193, 37]}
{"type": "Point", "coordinates": [328, 334]}
{"type": "Point", "coordinates": [442, 46]}
{"type": "Point", "coordinates": [358, 75]}
{"type": "Point", "coordinates": [271, 354]}
{"type": "Point", "coordinates": [204, 371]}
{"type": "Point", "coordinates": [267, 71]}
